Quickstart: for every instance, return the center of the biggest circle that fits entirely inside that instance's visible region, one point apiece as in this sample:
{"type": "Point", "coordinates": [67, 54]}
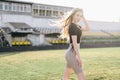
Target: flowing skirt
{"type": "Point", "coordinates": [71, 60]}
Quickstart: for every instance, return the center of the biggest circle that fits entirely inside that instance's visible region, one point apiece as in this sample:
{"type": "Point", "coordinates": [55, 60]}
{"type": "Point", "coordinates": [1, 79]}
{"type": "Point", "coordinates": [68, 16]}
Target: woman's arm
{"type": "Point", "coordinates": [73, 34]}
{"type": "Point", "coordinates": [76, 49]}
{"type": "Point", "coordinates": [74, 43]}
{"type": "Point", "coordinates": [87, 27]}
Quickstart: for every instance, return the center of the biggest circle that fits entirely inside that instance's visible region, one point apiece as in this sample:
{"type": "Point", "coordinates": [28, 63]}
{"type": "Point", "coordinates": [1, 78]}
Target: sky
{"type": "Point", "coordinates": [95, 10]}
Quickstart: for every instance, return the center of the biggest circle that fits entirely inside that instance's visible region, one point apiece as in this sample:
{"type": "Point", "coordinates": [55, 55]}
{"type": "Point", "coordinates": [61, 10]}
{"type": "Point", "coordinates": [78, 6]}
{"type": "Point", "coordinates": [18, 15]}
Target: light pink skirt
{"type": "Point", "coordinates": [71, 60]}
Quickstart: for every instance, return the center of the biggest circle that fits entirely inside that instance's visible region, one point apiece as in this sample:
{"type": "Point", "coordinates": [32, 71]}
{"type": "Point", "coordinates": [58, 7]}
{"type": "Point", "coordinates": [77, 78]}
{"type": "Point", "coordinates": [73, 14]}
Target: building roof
{"type": "Point", "coordinates": [46, 30]}
{"type": "Point", "coordinates": [18, 1]}
{"type": "Point", "coordinates": [19, 25]}
{"type": "Point", "coordinates": [33, 2]}
{"type": "Point", "coordinates": [68, 7]}
{"type": "Point", "coordinates": [45, 26]}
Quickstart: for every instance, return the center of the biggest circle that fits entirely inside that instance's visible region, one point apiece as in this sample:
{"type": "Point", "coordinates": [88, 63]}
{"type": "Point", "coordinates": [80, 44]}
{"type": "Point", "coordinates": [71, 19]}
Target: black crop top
{"type": "Point", "coordinates": [74, 30]}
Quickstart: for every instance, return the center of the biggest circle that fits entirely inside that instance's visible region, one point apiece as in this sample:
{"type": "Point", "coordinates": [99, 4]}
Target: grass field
{"type": "Point", "coordinates": [98, 64]}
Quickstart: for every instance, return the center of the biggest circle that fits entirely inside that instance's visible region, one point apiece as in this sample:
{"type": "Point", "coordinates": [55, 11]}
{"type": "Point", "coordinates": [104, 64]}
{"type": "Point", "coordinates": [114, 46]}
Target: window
{"type": "Point", "coordinates": [35, 11]}
{"type": "Point", "coordinates": [55, 13]}
{"type": "Point", "coordinates": [10, 6]}
{"type": "Point", "coordinates": [1, 6]}
{"type": "Point", "coordinates": [61, 13]}
{"type": "Point", "coordinates": [35, 6]}
{"type": "Point", "coordinates": [21, 7]}
{"type": "Point", "coordinates": [48, 12]}
{"type": "Point", "coordinates": [14, 7]}
{"type": "Point", "coordinates": [41, 12]}
{"type": "Point", "coordinates": [17, 7]}
{"type": "Point", "coordinates": [6, 6]}
{"type": "Point", "coordinates": [25, 8]}
{"type": "Point", "coordinates": [28, 8]}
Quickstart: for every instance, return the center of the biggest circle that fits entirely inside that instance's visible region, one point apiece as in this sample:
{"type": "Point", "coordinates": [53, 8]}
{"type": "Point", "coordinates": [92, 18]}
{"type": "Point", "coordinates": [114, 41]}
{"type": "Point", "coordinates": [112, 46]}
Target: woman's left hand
{"type": "Point", "coordinates": [79, 60]}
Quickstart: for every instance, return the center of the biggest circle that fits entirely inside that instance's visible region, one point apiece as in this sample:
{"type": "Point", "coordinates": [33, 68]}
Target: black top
{"type": "Point", "coordinates": [74, 30]}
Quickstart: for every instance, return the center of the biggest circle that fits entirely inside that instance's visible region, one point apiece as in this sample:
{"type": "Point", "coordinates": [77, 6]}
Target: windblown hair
{"type": "Point", "coordinates": [65, 21]}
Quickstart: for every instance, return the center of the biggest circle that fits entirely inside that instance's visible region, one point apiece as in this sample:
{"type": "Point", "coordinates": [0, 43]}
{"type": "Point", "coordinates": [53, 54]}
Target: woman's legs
{"type": "Point", "coordinates": [67, 72]}
{"type": "Point", "coordinates": [81, 76]}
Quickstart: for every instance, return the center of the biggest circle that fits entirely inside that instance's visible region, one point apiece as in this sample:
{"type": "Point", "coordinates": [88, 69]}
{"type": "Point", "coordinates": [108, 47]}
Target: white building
{"type": "Point", "coordinates": [36, 15]}
{"type": "Point", "coordinates": [39, 16]}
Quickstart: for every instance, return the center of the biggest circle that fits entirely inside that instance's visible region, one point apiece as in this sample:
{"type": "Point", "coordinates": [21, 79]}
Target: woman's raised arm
{"type": "Point", "coordinates": [87, 27]}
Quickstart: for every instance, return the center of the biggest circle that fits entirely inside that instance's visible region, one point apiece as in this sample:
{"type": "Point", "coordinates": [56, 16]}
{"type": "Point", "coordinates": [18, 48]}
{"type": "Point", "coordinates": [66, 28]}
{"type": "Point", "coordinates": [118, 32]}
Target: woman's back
{"type": "Point", "coordinates": [74, 30]}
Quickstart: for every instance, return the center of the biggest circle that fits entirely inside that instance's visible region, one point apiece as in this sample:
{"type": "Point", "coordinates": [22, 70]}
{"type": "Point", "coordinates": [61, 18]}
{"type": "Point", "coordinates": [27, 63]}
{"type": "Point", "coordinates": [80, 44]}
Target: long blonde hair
{"type": "Point", "coordinates": [65, 21]}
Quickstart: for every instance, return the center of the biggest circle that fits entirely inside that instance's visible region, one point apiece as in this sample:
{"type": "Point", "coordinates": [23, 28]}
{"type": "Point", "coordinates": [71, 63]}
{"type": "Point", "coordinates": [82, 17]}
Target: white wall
{"type": "Point", "coordinates": [34, 22]}
{"type": "Point", "coordinates": [38, 40]}
{"type": "Point", "coordinates": [16, 18]}
{"type": "Point", "coordinates": [45, 22]}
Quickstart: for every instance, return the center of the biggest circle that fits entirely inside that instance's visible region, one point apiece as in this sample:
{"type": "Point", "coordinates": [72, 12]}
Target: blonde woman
{"type": "Point", "coordinates": [73, 32]}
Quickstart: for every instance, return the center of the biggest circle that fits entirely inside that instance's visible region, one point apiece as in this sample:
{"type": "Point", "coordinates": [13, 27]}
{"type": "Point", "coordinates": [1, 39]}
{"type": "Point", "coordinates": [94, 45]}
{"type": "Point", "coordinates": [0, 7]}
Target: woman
{"type": "Point", "coordinates": [73, 32]}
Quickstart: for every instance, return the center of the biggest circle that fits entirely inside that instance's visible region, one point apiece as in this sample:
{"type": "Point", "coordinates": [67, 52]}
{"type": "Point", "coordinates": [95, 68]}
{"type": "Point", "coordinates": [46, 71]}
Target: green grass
{"type": "Point", "coordinates": [98, 64]}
